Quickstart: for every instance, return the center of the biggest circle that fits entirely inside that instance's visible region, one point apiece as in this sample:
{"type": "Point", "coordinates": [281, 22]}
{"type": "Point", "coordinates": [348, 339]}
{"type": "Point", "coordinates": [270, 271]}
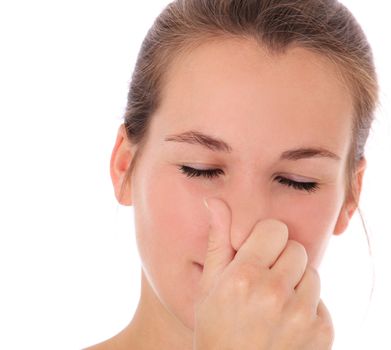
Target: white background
{"type": "Point", "coordinates": [69, 267]}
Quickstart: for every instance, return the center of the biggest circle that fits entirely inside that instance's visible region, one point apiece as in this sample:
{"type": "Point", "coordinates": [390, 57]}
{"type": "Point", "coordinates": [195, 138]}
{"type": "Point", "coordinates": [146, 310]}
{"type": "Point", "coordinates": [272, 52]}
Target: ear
{"type": "Point", "coordinates": [351, 201]}
{"type": "Point", "coordinates": [121, 157]}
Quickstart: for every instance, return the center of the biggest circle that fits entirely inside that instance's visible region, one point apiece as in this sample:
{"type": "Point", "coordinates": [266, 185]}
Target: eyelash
{"type": "Point", "coordinates": [212, 173]}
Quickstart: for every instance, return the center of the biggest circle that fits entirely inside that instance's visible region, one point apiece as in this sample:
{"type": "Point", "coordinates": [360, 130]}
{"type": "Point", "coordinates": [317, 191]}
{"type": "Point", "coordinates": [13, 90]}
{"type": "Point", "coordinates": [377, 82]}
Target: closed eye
{"type": "Point", "coordinates": [303, 186]}
{"type": "Point", "coordinates": [212, 173]}
{"type": "Point", "coordinates": [208, 173]}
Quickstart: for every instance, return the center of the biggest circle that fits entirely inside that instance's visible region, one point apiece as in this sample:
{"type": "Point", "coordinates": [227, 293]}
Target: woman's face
{"type": "Point", "coordinates": [278, 121]}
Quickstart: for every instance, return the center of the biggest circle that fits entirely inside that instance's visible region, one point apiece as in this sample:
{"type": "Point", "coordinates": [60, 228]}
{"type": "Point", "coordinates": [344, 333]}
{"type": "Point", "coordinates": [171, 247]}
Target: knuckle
{"type": "Point", "coordinates": [326, 331]}
{"type": "Point", "coordinates": [300, 316]}
{"type": "Point", "coordinates": [325, 328]}
{"type": "Point", "coordinates": [244, 277]}
{"type": "Point", "coordinates": [298, 322]}
{"type": "Point", "coordinates": [275, 293]}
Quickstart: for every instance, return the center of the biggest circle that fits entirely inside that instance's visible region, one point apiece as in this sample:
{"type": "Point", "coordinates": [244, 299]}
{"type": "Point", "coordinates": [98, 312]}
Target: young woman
{"type": "Point", "coordinates": [259, 109]}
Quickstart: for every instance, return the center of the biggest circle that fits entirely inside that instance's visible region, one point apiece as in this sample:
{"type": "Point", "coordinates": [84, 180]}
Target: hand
{"type": "Point", "coordinates": [263, 298]}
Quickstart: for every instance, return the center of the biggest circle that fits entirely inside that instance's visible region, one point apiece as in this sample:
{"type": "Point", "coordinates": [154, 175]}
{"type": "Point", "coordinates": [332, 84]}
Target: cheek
{"type": "Point", "coordinates": [169, 217]}
{"type": "Point", "coordinates": [168, 220]}
{"type": "Point", "coordinates": [311, 220]}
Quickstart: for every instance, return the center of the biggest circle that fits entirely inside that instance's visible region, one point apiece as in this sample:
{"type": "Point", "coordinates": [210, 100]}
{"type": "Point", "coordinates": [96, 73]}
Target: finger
{"type": "Point", "coordinates": [291, 264]}
{"type": "Point", "coordinates": [308, 289]}
{"type": "Point", "coordinates": [323, 313]}
{"type": "Point", "coordinates": [325, 323]}
{"type": "Point", "coordinates": [264, 244]}
{"type": "Point", "coordinates": [220, 251]}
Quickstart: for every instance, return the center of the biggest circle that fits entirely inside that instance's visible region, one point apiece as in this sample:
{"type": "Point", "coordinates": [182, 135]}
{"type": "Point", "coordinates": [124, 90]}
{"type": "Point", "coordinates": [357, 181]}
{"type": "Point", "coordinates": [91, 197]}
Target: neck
{"type": "Point", "coordinates": [155, 327]}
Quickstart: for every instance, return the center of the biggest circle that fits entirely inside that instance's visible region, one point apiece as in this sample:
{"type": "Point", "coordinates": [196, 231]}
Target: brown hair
{"type": "Point", "coordinates": [322, 26]}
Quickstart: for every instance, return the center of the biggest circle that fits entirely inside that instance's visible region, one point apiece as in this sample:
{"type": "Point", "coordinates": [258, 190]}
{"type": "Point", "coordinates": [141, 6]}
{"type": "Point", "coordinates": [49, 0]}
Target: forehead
{"type": "Point", "coordinates": [235, 88]}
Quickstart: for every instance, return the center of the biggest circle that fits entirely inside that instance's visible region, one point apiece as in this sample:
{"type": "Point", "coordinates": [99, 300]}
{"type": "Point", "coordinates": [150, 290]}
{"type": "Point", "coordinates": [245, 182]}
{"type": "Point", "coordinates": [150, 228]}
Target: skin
{"type": "Point", "coordinates": [262, 106]}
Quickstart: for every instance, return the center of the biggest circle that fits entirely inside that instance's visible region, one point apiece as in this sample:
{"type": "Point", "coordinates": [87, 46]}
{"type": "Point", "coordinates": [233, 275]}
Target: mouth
{"type": "Point", "coordinates": [199, 266]}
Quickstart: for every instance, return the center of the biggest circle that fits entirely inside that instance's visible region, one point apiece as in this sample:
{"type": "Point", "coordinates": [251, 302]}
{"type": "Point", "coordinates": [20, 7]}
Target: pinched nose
{"type": "Point", "coordinates": [246, 211]}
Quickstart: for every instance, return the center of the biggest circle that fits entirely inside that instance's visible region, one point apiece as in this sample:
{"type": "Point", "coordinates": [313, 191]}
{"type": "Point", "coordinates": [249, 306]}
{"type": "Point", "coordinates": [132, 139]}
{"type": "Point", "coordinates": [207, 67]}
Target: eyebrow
{"type": "Point", "coordinates": [216, 144]}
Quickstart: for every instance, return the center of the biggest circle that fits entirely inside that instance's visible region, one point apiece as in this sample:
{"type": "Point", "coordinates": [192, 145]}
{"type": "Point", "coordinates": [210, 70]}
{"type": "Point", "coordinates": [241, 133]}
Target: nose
{"type": "Point", "coordinates": [247, 208]}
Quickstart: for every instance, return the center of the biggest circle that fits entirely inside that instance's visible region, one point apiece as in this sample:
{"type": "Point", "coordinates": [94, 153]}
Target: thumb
{"type": "Point", "coordinates": [220, 252]}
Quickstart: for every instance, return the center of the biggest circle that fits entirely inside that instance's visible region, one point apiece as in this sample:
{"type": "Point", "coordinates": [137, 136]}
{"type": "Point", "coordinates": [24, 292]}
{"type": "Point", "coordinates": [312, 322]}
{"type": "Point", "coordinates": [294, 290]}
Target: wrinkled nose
{"type": "Point", "coordinates": [247, 208]}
